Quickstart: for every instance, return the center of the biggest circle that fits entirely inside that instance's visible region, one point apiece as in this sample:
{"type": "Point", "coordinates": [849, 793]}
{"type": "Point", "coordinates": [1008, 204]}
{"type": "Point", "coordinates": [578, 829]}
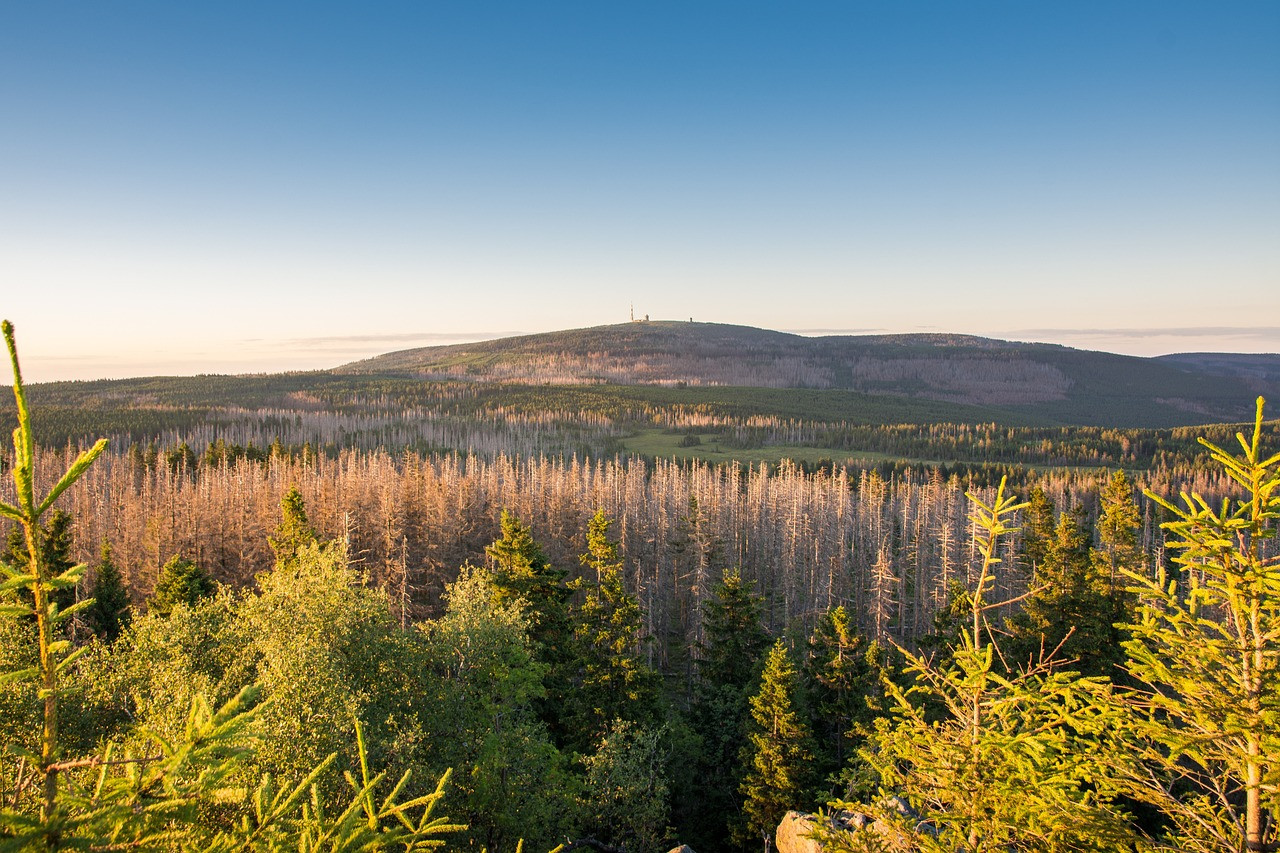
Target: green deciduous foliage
{"type": "Point", "coordinates": [626, 794]}
{"type": "Point", "coordinates": [325, 654]}
{"type": "Point", "coordinates": [779, 751]}
{"type": "Point", "coordinates": [323, 648]}
{"type": "Point", "coordinates": [164, 663]}
{"type": "Point", "coordinates": [182, 793]}
{"type": "Point", "coordinates": [327, 650]}
{"type": "Point", "coordinates": [1206, 648]}
{"type": "Point", "coordinates": [19, 708]}
{"type": "Point", "coordinates": [486, 680]}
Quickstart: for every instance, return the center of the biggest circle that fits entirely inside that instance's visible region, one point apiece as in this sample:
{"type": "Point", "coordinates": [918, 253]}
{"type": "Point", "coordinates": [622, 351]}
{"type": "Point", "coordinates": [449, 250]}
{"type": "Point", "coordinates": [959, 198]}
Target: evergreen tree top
{"type": "Point", "coordinates": [602, 552]}
{"type": "Point", "coordinates": [295, 531]}
{"type": "Point", "coordinates": [181, 581]}
{"type": "Point", "coordinates": [735, 634]}
{"type": "Point", "coordinates": [515, 552]}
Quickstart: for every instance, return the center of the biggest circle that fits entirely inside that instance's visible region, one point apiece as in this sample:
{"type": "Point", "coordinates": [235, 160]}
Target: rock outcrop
{"type": "Point", "coordinates": [795, 832]}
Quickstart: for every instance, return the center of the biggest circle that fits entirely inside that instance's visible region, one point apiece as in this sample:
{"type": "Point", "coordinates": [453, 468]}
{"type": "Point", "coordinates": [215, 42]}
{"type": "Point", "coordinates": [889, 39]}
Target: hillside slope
{"type": "Point", "coordinates": [1258, 370]}
{"type": "Point", "coordinates": [1044, 382]}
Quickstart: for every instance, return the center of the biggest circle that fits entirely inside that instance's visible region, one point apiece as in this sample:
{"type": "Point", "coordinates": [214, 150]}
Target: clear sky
{"type": "Point", "coordinates": [256, 186]}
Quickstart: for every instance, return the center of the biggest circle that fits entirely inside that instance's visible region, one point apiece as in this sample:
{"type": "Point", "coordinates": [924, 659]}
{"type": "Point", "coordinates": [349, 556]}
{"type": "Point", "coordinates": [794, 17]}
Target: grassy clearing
{"type": "Point", "coordinates": [661, 444]}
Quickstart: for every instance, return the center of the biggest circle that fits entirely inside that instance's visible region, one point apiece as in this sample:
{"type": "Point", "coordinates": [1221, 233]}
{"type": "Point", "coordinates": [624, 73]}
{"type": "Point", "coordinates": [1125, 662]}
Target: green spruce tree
{"type": "Point", "coordinates": [30, 571]}
{"type": "Point", "coordinates": [950, 623]}
{"type": "Point", "coordinates": [613, 681]}
{"type": "Point", "coordinates": [729, 668]}
{"type": "Point", "coordinates": [735, 635]}
{"type": "Point", "coordinates": [1206, 654]}
{"type": "Point", "coordinates": [1118, 551]}
{"type": "Point", "coordinates": [779, 751]}
{"type": "Point", "coordinates": [1117, 528]}
{"type": "Point", "coordinates": [845, 677]}
{"type": "Point", "coordinates": [1004, 763]}
{"type": "Point", "coordinates": [109, 614]}
{"type": "Point", "coordinates": [182, 459]}
{"type": "Point", "coordinates": [294, 533]}
{"type": "Point", "coordinates": [521, 572]}
{"type": "Point", "coordinates": [1037, 531]}
{"type": "Point", "coordinates": [834, 668]}
{"type": "Point", "coordinates": [53, 538]}
{"type": "Point", "coordinates": [181, 582]}
{"type": "Point", "coordinates": [1070, 613]}
{"type": "Point", "coordinates": [522, 576]}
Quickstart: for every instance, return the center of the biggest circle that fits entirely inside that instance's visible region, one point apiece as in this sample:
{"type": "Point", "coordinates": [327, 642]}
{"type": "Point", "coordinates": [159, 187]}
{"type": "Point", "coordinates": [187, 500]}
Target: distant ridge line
{"type": "Point", "coordinates": [1049, 381]}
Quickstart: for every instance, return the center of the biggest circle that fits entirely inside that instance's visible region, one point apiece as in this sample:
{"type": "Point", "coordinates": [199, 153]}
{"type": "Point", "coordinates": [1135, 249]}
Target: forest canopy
{"type": "Point", "coordinates": [365, 651]}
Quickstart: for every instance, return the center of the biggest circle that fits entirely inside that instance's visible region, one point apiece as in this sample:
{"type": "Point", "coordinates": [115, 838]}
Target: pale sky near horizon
{"type": "Point", "coordinates": [250, 187]}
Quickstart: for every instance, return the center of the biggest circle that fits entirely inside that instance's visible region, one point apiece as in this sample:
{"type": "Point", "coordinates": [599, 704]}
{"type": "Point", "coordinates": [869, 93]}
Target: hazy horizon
{"type": "Point", "coordinates": [320, 353]}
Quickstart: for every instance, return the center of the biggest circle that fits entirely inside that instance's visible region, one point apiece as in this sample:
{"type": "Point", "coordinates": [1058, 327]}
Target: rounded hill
{"type": "Point", "coordinates": [1045, 381]}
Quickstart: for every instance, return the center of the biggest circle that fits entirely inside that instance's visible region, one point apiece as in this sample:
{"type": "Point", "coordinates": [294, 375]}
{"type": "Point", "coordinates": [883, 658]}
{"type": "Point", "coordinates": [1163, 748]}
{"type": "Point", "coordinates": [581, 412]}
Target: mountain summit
{"type": "Point", "coordinates": [1078, 386]}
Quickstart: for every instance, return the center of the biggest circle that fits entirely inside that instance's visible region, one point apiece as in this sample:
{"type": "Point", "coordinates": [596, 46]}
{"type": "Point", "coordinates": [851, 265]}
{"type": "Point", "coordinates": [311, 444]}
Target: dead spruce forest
{"type": "Point", "coordinates": [652, 584]}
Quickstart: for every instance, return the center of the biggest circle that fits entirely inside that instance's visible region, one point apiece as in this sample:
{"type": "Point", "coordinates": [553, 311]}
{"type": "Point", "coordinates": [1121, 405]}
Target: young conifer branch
{"type": "Point", "coordinates": [53, 655]}
{"type": "Point", "coordinates": [991, 524]}
{"type": "Point", "coordinates": [1218, 737]}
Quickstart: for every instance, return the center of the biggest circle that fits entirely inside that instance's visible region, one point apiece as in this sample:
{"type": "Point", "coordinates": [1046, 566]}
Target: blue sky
{"type": "Point", "coordinates": [241, 187]}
